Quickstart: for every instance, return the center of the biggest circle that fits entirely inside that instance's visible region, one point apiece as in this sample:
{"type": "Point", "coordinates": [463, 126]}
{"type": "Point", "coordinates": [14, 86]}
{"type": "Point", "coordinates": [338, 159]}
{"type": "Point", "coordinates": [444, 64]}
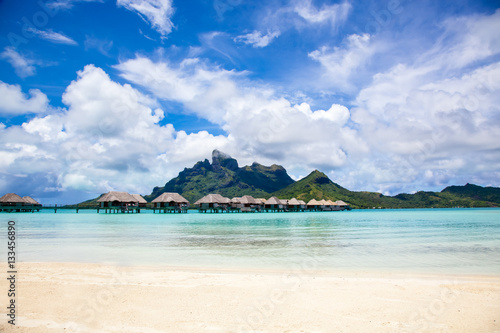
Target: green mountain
{"type": "Point", "coordinates": [225, 177]}
{"type": "Point", "coordinates": [317, 185]}
{"type": "Point", "coordinates": [490, 195]}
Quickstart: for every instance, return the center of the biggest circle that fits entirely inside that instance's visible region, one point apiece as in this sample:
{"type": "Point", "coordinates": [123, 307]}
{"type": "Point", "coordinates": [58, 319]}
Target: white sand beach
{"type": "Point", "coordinates": [75, 297]}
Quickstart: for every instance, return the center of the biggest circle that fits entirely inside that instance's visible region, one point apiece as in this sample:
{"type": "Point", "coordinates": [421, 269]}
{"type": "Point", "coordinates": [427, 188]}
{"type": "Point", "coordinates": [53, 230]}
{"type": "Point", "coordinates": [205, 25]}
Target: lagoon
{"type": "Point", "coordinates": [450, 241]}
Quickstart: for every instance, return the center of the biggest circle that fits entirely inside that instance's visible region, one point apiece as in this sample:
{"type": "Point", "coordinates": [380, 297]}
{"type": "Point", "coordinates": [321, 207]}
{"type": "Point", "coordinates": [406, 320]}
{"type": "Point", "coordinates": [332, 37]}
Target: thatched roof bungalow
{"type": "Point", "coordinates": [142, 202]}
{"type": "Point", "coordinates": [213, 202]}
{"type": "Point", "coordinates": [13, 202]}
{"type": "Point", "coordinates": [296, 205]}
{"type": "Point", "coordinates": [273, 204]}
{"type": "Point", "coordinates": [313, 204]}
{"type": "Point", "coordinates": [12, 199]}
{"type": "Point", "coordinates": [121, 200]}
{"type": "Point", "coordinates": [342, 205]}
{"type": "Point", "coordinates": [170, 201]}
{"type": "Point", "coordinates": [249, 203]}
{"type": "Point", "coordinates": [31, 201]}
{"type": "Point", "coordinates": [248, 200]}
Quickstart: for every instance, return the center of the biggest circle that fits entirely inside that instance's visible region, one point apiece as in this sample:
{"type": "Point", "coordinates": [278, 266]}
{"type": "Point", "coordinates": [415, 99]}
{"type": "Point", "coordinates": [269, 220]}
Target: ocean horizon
{"type": "Point", "coordinates": [441, 241]}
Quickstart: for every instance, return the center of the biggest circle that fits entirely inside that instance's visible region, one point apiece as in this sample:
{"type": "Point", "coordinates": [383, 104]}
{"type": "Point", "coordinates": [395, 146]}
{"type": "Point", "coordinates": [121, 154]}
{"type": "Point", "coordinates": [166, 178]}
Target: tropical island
{"type": "Point", "coordinates": [224, 176]}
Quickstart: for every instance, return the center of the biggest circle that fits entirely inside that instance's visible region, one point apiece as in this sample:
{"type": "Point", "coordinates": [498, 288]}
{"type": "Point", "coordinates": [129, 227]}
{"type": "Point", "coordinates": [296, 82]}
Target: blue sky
{"type": "Point", "coordinates": [389, 96]}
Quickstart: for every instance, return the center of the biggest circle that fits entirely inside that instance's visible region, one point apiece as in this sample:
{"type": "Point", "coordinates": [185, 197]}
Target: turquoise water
{"type": "Point", "coordinates": [455, 241]}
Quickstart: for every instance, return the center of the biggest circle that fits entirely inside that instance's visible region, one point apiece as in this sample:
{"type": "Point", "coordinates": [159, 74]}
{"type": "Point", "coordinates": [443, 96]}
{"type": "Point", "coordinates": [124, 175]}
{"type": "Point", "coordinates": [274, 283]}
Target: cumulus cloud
{"type": "Point", "coordinates": [257, 39]}
{"type": "Point", "coordinates": [109, 137]}
{"type": "Point", "coordinates": [157, 12]}
{"type": "Point", "coordinates": [23, 66]}
{"type": "Point", "coordinates": [15, 102]}
{"type": "Point", "coordinates": [258, 122]}
{"type": "Point", "coordinates": [437, 118]}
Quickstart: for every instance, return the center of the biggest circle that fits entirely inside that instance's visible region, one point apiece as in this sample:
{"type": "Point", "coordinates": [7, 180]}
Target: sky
{"type": "Point", "coordinates": [389, 96]}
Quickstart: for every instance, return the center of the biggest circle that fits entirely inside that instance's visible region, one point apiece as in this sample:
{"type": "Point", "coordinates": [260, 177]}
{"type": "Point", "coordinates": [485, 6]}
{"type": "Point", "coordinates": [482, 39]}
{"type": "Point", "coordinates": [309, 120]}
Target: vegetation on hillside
{"type": "Point", "coordinates": [225, 177]}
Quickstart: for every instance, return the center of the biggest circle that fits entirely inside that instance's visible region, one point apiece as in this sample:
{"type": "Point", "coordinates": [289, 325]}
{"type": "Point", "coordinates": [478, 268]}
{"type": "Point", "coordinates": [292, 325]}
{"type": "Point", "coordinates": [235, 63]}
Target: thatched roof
{"type": "Point", "coordinates": [323, 202]}
{"type": "Point", "coordinates": [236, 200]}
{"type": "Point", "coordinates": [248, 199]}
{"type": "Point", "coordinates": [313, 202]}
{"type": "Point", "coordinates": [12, 198]}
{"type": "Point", "coordinates": [171, 197]}
{"type": "Point", "coordinates": [30, 200]}
{"type": "Point", "coordinates": [302, 202]}
{"type": "Point", "coordinates": [213, 198]}
{"type": "Point", "coordinates": [262, 200]}
{"type": "Point", "coordinates": [284, 202]}
{"type": "Point", "coordinates": [139, 198]}
{"type": "Point", "coordinates": [293, 202]}
{"type": "Point", "coordinates": [341, 203]}
{"type": "Point", "coordinates": [273, 201]}
{"type": "Point", "coordinates": [330, 203]}
{"type": "Point", "coordinates": [118, 196]}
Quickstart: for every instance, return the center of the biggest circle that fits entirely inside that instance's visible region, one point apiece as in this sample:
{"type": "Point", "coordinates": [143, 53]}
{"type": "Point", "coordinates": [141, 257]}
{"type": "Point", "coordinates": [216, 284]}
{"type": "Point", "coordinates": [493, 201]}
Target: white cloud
{"type": "Point", "coordinates": [22, 65]}
{"type": "Point", "coordinates": [257, 122]}
{"type": "Point", "coordinates": [14, 102]}
{"type": "Point", "coordinates": [109, 137]}
{"type": "Point", "coordinates": [102, 46]}
{"type": "Point", "coordinates": [66, 4]}
{"type": "Point", "coordinates": [53, 37]}
{"type": "Point", "coordinates": [335, 14]}
{"type": "Point", "coordinates": [465, 41]}
{"type": "Point", "coordinates": [157, 12]}
{"type": "Point", "coordinates": [342, 64]}
{"type": "Point", "coordinates": [256, 39]}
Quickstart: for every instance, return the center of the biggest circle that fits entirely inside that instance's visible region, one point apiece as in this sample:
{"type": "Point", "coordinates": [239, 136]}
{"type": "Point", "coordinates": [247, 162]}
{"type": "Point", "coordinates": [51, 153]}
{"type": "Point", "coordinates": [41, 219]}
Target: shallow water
{"type": "Point", "coordinates": [454, 241]}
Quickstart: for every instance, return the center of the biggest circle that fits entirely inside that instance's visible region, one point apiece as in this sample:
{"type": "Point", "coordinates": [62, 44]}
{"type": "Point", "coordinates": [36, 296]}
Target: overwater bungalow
{"type": "Point", "coordinates": [303, 205]}
{"type": "Point", "coordinates": [235, 204]}
{"type": "Point", "coordinates": [171, 202]}
{"type": "Point", "coordinates": [273, 204]}
{"type": "Point", "coordinates": [249, 204]}
{"type": "Point", "coordinates": [32, 201]}
{"type": "Point", "coordinates": [284, 203]}
{"type": "Point", "coordinates": [142, 202]}
{"type": "Point", "coordinates": [121, 202]}
{"type": "Point", "coordinates": [330, 205]}
{"type": "Point", "coordinates": [213, 203]}
{"type": "Point", "coordinates": [313, 205]}
{"type": "Point", "coordinates": [294, 205]}
{"type": "Point", "coordinates": [342, 205]}
{"type": "Point", "coordinates": [11, 202]}
{"type": "Point", "coordinates": [323, 205]}
{"type": "Point", "coordinates": [262, 201]}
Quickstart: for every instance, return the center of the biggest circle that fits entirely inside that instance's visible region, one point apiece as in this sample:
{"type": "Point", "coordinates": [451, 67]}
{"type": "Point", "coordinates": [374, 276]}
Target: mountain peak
{"type": "Point", "coordinates": [220, 159]}
{"type": "Point", "coordinates": [319, 177]}
{"type": "Point", "coordinates": [218, 155]}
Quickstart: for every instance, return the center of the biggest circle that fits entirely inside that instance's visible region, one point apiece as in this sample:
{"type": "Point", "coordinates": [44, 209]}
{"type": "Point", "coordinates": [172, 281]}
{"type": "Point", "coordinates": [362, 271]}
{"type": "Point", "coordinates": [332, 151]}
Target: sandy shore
{"type": "Point", "coordinates": [62, 297]}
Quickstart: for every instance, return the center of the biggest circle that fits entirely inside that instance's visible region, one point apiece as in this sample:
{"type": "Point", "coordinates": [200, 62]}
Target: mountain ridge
{"type": "Point", "coordinates": [224, 176]}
